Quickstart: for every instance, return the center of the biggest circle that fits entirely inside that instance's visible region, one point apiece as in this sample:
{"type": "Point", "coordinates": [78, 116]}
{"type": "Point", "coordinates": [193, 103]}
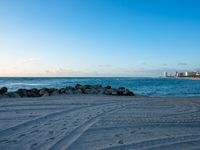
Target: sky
{"type": "Point", "coordinates": [86, 38]}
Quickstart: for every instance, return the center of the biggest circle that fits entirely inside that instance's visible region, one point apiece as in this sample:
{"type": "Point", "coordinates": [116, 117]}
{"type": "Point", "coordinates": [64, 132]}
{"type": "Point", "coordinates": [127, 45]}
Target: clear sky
{"type": "Point", "coordinates": [98, 37]}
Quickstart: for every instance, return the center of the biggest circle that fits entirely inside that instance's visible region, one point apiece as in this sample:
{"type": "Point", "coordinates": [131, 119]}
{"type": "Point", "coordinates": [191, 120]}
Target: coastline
{"type": "Point", "coordinates": [187, 78]}
{"type": "Point", "coordinates": [99, 122]}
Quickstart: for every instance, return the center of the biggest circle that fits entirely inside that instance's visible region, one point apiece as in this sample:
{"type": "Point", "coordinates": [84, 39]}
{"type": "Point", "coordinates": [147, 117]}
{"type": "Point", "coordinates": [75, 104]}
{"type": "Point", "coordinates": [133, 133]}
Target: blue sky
{"type": "Point", "coordinates": [98, 37]}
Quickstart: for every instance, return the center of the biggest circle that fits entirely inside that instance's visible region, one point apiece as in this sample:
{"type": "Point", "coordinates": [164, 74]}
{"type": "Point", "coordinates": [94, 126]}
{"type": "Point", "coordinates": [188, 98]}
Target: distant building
{"type": "Point", "coordinates": [190, 74]}
{"type": "Point", "coordinates": [176, 74]}
{"type": "Point", "coordinates": [165, 74]}
{"type": "Point", "coordinates": [181, 74]}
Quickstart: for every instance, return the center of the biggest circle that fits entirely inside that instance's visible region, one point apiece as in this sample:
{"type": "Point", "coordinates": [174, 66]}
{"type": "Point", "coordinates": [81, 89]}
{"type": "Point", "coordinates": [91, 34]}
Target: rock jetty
{"type": "Point", "coordinates": [77, 89]}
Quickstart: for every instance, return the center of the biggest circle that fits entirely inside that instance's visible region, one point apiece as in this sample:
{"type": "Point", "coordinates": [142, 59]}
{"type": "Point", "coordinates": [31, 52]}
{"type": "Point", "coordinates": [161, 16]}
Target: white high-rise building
{"type": "Point", "coordinates": [165, 74]}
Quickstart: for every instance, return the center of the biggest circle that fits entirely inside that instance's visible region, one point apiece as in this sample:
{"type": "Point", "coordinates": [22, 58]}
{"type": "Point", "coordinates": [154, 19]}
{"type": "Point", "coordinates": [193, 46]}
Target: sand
{"type": "Point", "coordinates": [88, 122]}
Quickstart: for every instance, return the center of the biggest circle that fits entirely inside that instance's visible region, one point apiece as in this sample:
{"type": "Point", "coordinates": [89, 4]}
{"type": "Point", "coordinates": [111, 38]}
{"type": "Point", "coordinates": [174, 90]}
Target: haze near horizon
{"type": "Point", "coordinates": [98, 38]}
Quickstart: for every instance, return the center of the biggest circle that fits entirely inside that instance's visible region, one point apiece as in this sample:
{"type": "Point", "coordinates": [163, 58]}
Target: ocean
{"type": "Point", "coordinates": [141, 86]}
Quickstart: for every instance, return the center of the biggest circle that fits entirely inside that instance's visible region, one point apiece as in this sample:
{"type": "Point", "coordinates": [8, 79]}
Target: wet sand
{"type": "Point", "coordinates": [92, 122]}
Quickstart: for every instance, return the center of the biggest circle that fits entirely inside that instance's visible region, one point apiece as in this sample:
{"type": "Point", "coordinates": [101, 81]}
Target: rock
{"type": "Point", "coordinates": [51, 90]}
{"type": "Point", "coordinates": [33, 93]}
{"type": "Point", "coordinates": [44, 92]}
{"type": "Point", "coordinates": [108, 91]}
{"type": "Point", "coordinates": [3, 90]}
{"type": "Point", "coordinates": [130, 93]}
{"type": "Point", "coordinates": [34, 90]}
{"type": "Point", "coordinates": [82, 87]}
{"type": "Point", "coordinates": [91, 91]}
{"type": "Point", "coordinates": [121, 91]}
{"type": "Point", "coordinates": [22, 92]}
{"type": "Point", "coordinates": [68, 91]}
{"type": "Point", "coordinates": [120, 142]}
{"type": "Point", "coordinates": [77, 86]}
{"type": "Point", "coordinates": [114, 93]}
{"type": "Point", "coordinates": [77, 91]}
{"type": "Point", "coordinates": [98, 86]}
{"type": "Point", "coordinates": [62, 91]}
{"type": "Point", "coordinates": [88, 87]}
{"type": "Point", "coordinates": [70, 88]}
{"type": "Point", "coordinates": [101, 90]}
{"type": "Point", "coordinates": [108, 87]}
{"type": "Point", "coordinates": [55, 93]}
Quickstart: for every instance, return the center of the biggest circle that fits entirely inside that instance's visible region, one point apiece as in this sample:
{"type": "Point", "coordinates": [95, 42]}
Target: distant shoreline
{"type": "Point", "coordinates": [187, 78]}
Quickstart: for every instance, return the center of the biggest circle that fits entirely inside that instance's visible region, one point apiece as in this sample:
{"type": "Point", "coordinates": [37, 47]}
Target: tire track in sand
{"type": "Point", "coordinates": [14, 129]}
{"type": "Point", "coordinates": [68, 140]}
{"type": "Point", "coordinates": [156, 143]}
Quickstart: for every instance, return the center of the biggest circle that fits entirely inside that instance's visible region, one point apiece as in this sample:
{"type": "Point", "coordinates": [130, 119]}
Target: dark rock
{"type": "Point", "coordinates": [22, 92]}
{"type": "Point", "coordinates": [34, 90]}
{"type": "Point", "coordinates": [70, 88]}
{"type": "Point", "coordinates": [88, 87]}
{"type": "Point", "coordinates": [68, 91]}
{"type": "Point", "coordinates": [91, 91]}
{"type": "Point", "coordinates": [120, 142]}
{"type": "Point", "coordinates": [77, 91]}
{"type": "Point", "coordinates": [3, 90]}
{"type": "Point", "coordinates": [114, 93]}
{"type": "Point", "coordinates": [55, 93]}
{"type": "Point", "coordinates": [62, 91]}
{"type": "Point", "coordinates": [33, 93]}
{"type": "Point", "coordinates": [77, 86]}
{"type": "Point", "coordinates": [44, 92]}
{"type": "Point", "coordinates": [101, 90]}
{"type": "Point", "coordinates": [81, 87]}
{"type": "Point", "coordinates": [108, 87]}
{"type": "Point", "coordinates": [122, 88]}
{"type": "Point", "coordinates": [121, 91]}
{"type": "Point", "coordinates": [108, 91]}
{"type": "Point", "coordinates": [130, 94]}
{"type": "Point", "coordinates": [51, 90]}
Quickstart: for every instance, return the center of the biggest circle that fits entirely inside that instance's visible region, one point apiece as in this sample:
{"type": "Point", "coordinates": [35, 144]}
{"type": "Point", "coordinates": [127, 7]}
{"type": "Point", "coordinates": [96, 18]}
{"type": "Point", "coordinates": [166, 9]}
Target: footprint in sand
{"type": "Point", "coordinates": [34, 127]}
{"type": "Point", "coordinates": [47, 124]}
{"type": "Point", "coordinates": [51, 132]}
{"type": "Point", "coordinates": [64, 128]}
{"type": "Point", "coordinates": [75, 123]}
{"type": "Point", "coordinates": [4, 140]}
{"type": "Point", "coordinates": [120, 142]}
{"type": "Point", "coordinates": [21, 135]}
{"type": "Point", "coordinates": [13, 141]}
{"type": "Point", "coordinates": [118, 135]}
{"type": "Point", "coordinates": [52, 138]}
{"type": "Point", "coordinates": [33, 145]}
{"type": "Point", "coordinates": [34, 131]}
{"type": "Point", "coordinates": [132, 132]}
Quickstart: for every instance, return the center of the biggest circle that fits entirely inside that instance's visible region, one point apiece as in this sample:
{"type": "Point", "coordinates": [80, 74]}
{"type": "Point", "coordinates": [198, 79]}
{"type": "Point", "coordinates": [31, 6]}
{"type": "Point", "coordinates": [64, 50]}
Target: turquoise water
{"type": "Point", "coordinates": [144, 86]}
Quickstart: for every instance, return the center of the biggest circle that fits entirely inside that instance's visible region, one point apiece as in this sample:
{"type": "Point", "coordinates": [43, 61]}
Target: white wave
{"type": "Point", "coordinates": [28, 84]}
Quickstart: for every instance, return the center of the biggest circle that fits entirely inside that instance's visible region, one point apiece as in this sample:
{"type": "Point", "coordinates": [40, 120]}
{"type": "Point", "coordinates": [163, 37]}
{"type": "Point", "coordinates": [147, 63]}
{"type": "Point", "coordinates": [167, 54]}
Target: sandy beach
{"type": "Point", "coordinates": [93, 122]}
